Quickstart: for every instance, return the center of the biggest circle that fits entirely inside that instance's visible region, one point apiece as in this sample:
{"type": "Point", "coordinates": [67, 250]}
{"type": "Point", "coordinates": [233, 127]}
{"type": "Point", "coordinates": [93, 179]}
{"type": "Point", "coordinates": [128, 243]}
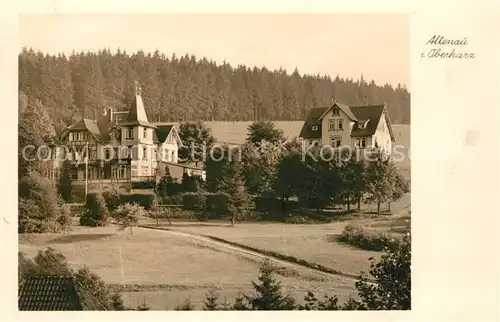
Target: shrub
{"type": "Point", "coordinates": [357, 236]}
{"type": "Point", "coordinates": [112, 198]}
{"type": "Point", "coordinates": [194, 201]}
{"type": "Point", "coordinates": [64, 219]}
{"type": "Point", "coordinates": [96, 212]}
{"type": "Point", "coordinates": [30, 219]}
{"type": "Point", "coordinates": [218, 204]}
{"type": "Point", "coordinates": [143, 200]}
{"type": "Point", "coordinates": [392, 273]}
{"type": "Point", "coordinates": [128, 215]}
{"type": "Point", "coordinates": [38, 204]}
{"type": "Point", "coordinates": [191, 183]}
{"type": "Point", "coordinates": [274, 204]}
{"type": "Point", "coordinates": [186, 306]}
{"type": "Point", "coordinates": [173, 200]}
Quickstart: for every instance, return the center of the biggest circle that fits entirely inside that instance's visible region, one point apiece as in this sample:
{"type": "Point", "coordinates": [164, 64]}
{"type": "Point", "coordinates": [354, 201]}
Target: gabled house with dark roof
{"type": "Point", "coordinates": [340, 125]}
{"type": "Point", "coordinates": [122, 146]}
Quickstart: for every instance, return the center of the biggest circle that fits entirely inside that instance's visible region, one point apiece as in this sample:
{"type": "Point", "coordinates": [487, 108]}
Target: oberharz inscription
{"type": "Point", "coordinates": [443, 49]}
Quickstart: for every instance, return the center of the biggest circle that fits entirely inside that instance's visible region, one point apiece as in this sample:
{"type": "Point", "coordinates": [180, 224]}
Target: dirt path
{"type": "Point", "coordinates": [256, 253]}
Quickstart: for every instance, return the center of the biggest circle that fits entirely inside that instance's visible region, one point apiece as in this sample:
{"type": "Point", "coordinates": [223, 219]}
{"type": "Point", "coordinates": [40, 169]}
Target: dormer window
{"type": "Point", "coordinates": [315, 128]}
{"type": "Point", "coordinates": [362, 124]}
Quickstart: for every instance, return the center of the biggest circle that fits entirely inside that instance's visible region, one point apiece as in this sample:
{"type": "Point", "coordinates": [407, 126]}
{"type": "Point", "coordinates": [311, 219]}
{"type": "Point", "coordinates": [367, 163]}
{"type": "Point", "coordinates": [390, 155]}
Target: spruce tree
{"type": "Point", "coordinates": [268, 291]}
{"type": "Point", "coordinates": [211, 300]}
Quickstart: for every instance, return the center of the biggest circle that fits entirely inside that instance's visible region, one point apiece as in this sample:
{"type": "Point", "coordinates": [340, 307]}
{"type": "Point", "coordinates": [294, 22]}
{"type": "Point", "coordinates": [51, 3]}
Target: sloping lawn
{"type": "Point", "coordinates": [166, 269]}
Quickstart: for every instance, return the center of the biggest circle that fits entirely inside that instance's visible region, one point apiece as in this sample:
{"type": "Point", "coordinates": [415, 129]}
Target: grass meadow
{"type": "Point", "coordinates": [165, 269]}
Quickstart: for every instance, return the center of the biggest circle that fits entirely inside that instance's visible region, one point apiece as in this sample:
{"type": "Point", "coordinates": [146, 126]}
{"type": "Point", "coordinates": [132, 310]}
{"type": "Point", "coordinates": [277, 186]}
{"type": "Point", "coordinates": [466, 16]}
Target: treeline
{"type": "Point", "coordinates": [187, 88]}
{"type": "Point", "coordinates": [266, 170]}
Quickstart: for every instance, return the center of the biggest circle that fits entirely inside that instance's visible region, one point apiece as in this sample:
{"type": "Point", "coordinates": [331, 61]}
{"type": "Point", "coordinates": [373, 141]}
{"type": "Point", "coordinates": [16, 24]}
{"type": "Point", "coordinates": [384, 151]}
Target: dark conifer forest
{"type": "Point", "coordinates": [188, 88]}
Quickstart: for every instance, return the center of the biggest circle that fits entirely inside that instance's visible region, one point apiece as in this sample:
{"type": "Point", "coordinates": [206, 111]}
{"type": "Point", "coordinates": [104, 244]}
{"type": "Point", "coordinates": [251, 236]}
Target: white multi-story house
{"type": "Point", "coordinates": [122, 146]}
{"type": "Point", "coordinates": [340, 125]}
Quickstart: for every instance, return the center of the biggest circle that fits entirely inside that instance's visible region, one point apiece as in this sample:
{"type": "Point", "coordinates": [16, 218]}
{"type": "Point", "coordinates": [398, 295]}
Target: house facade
{"type": "Point", "coordinates": [122, 146]}
{"type": "Point", "coordinates": [340, 125]}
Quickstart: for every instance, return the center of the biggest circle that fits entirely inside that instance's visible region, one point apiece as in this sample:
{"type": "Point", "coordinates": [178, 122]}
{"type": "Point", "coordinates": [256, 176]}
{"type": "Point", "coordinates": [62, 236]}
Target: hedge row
{"type": "Point", "coordinates": [208, 205]}
{"type": "Point", "coordinates": [113, 199]}
{"type": "Point", "coordinates": [357, 236]}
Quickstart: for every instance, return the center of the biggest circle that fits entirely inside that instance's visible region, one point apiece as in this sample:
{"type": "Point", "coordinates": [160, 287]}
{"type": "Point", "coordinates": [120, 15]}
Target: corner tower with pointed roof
{"type": "Point", "coordinates": [124, 148]}
{"type": "Point", "coordinates": [138, 135]}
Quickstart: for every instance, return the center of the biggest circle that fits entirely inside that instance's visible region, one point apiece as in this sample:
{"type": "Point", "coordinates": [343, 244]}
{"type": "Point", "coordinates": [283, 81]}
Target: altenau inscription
{"type": "Point", "coordinates": [445, 48]}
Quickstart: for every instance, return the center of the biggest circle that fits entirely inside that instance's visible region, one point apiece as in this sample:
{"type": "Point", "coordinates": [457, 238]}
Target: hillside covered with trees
{"type": "Point", "coordinates": [188, 88]}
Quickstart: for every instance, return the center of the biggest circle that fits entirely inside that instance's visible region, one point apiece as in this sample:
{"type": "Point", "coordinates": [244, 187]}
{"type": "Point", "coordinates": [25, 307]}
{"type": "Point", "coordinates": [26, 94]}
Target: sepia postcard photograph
{"type": "Point", "coordinates": [214, 162]}
{"type": "Point", "coordinates": [250, 161]}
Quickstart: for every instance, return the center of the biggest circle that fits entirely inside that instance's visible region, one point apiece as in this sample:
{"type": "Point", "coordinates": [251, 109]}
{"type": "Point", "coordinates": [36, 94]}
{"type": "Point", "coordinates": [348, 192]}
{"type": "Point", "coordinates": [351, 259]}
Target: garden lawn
{"type": "Point", "coordinates": [166, 269]}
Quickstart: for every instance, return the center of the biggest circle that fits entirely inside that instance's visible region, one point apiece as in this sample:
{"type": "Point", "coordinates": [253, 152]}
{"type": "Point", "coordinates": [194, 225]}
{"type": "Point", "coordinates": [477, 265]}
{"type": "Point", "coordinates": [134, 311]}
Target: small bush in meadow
{"type": "Point", "coordinates": [357, 236]}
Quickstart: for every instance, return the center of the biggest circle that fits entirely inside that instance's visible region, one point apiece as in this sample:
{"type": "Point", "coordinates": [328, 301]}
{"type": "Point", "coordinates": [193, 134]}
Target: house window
{"type": "Point", "coordinates": [340, 125]}
{"type": "Point", "coordinates": [331, 125]}
{"type": "Point", "coordinates": [376, 143]}
{"type": "Point", "coordinates": [144, 153]}
{"type": "Point", "coordinates": [315, 128]}
{"type": "Point", "coordinates": [362, 125]}
{"type": "Point", "coordinates": [361, 143]}
{"type": "Point", "coordinates": [155, 154]}
{"type": "Point", "coordinates": [116, 153]}
{"type": "Point", "coordinates": [123, 172]}
{"type": "Point", "coordinates": [145, 133]}
{"type": "Point", "coordinates": [74, 174]}
{"type": "Point", "coordinates": [336, 141]}
{"type": "Point", "coordinates": [107, 154]}
{"type": "Point", "coordinates": [336, 111]}
{"type": "Point", "coordinates": [130, 133]}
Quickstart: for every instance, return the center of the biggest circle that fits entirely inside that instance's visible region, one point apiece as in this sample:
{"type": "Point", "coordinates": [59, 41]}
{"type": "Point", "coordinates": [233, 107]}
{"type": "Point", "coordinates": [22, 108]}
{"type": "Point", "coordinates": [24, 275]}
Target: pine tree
{"type": "Point", "coordinates": [233, 184]}
{"type": "Point", "coordinates": [211, 300]}
{"type": "Point", "coordinates": [117, 302]}
{"type": "Point", "coordinates": [268, 292]}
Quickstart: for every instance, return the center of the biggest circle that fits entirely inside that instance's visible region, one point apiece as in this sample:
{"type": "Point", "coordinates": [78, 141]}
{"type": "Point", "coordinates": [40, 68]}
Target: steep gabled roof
{"type": "Point", "coordinates": [163, 131]}
{"type": "Point", "coordinates": [372, 114]}
{"type": "Point", "coordinates": [82, 125]}
{"type": "Point", "coordinates": [313, 120]}
{"type": "Point", "coordinates": [49, 293]}
{"type": "Point", "coordinates": [368, 114]}
{"type": "Point", "coordinates": [344, 108]}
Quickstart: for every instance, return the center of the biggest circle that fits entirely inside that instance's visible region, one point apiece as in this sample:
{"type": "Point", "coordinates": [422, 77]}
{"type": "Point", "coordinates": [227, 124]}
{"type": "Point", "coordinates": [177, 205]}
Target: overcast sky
{"type": "Point", "coordinates": [375, 45]}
